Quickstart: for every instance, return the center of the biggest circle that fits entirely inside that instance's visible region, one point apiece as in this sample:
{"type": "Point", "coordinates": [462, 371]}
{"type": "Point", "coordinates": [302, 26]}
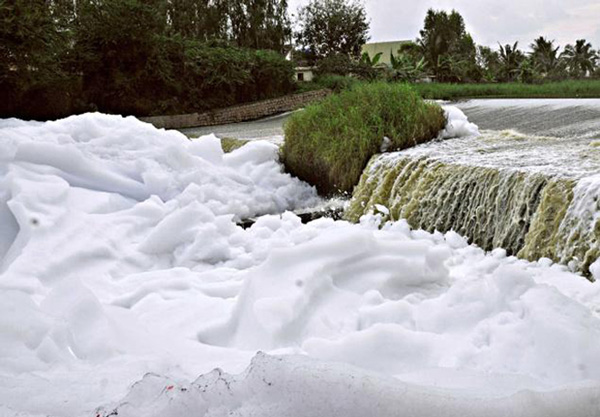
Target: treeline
{"type": "Point", "coordinates": [141, 57]}
{"type": "Point", "coordinates": [452, 55]}
{"type": "Point", "coordinates": [446, 52]}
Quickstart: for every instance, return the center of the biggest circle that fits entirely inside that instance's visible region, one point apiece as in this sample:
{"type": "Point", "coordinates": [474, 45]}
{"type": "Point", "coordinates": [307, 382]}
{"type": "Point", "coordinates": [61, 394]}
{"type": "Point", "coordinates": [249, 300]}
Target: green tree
{"type": "Point", "coordinates": [580, 58]}
{"type": "Point", "coordinates": [510, 59]}
{"type": "Point", "coordinates": [223, 76]}
{"type": "Point", "coordinates": [123, 54]}
{"type": "Point", "coordinates": [488, 61]}
{"type": "Point", "coordinates": [545, 57]}
{"type": "Point", "coordinates": [32, 51]}
{"type": "Point", "coordinates": [448, 49]}
{"type": "Point", "coordinates": [260, 24]}
{"type": "Point", "coordinates": [333, 27]}
{"type": "Point", "coordinates": [198, 19]}
{"type": "Point", "coordinates": [528, 72]}
{"type": "Point", "coordinates": [136, 56]}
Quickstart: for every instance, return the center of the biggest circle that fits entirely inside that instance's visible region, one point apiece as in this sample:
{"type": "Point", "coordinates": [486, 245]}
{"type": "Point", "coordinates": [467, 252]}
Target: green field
{"type": "Point", "coordinates": [559, 89]}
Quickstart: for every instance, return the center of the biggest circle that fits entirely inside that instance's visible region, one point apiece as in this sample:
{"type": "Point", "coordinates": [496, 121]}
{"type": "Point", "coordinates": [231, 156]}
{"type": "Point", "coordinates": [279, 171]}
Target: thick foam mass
{"type": "Point", "coordinates": [457, 124]}
{"type": "Point", "coordinates": [120, 256]}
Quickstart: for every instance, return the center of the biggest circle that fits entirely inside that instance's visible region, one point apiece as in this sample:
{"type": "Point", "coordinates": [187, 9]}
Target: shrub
{"type": "Point", "coordinates": [329, 144]}
{"type": "Point", "coordinates": [335, 64]}
{"type": "Point", "coordinates": [120, 56]}
{"type": "Point", "coordinates": [336, 83]}
{"type": "Point", "coordinates": [34, 77]}
{"type": "Point", "coordinates": [272, 75]}
{"type": "Point", "coordinates": [339, 64]}
{"type": "Point", "coordinates": [223, 76]}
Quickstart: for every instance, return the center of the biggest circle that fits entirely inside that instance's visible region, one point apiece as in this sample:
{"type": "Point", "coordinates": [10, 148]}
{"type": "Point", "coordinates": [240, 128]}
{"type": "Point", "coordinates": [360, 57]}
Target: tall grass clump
{"type": "Point", "coordinates": [329, 143]}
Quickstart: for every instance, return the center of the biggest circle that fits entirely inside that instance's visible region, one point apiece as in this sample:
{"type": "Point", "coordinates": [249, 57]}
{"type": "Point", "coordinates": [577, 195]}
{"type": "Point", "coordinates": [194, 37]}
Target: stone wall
{"type": "Point", "coordinates": [239, 113]}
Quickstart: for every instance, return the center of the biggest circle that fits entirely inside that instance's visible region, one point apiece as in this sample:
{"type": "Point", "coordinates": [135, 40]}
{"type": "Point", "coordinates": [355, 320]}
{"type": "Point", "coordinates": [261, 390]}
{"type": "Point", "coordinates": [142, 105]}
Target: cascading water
{"type": "Point", "coordinates": [533, 195]}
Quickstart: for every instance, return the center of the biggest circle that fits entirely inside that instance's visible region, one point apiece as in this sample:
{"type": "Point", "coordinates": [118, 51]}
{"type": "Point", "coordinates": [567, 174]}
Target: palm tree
{"type": "Point", "coordinates": [544, 56]}
{"type": "Point", "coordinates": [580, 58]}
{"type": "Point", "coordinates": [489, 63]}
{"type": "Point", "coordinates": [510, 59]}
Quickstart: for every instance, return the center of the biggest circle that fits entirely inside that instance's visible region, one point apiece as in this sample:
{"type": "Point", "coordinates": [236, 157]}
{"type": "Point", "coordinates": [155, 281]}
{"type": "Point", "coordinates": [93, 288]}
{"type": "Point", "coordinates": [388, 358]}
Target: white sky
{"type": "Point", "coordinates": [489, 21]}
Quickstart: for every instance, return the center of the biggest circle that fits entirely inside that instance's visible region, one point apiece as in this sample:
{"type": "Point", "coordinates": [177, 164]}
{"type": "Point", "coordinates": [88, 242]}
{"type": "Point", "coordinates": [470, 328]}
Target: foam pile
{"type": "Point", "coordinates": [457, 124]}
{"type": "Point", "coordinates": [120, 257]}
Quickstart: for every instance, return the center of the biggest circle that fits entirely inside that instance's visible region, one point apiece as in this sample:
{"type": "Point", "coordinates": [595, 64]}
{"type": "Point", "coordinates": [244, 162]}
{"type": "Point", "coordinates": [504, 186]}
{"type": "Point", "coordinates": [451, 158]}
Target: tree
{"type": "Point", "coordinates": [32, 51]}
{"type": "Point", "coordinates": [510, 60]}
{"type": "Point", "coordinates": [580, 58]}
{"type": "Point", "coordinates": [138, 57]}
{"type": "Point", "coordinates": [544, 56]}
{"type": "Point", "coordinates": [200, 20]}
{"type": "Point", "coordinates": [448, 49]}
{"type": "Point", "coordinates": [411, 50]}
{"type": "Point", "coordinates": [123, 53]}
{"type": "Point", "coordinates": [528, 72]}
{"type": "Point", "coordinates": [333, 27]}
{"type": "Point", "coordinates": [489, 63]}
{"type": "Point", "coordinates": [260, 24]}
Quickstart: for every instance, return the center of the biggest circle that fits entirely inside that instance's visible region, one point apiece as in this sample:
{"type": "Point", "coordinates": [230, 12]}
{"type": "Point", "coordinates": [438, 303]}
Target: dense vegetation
{"type": "Point", "coordinates": [139, 57]}
{"type": "Point", "coordinates": [329, 144]}
{"type": "Point", "coordinates": [446, 52]}
{"type": "Point", "coordinates": [145, 57]}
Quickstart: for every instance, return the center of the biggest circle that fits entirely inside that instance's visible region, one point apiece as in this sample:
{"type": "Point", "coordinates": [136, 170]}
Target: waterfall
{"type": "Point", "coordinates": [529, 183]}
{"type": "Point", "coordinates": [530, 214]}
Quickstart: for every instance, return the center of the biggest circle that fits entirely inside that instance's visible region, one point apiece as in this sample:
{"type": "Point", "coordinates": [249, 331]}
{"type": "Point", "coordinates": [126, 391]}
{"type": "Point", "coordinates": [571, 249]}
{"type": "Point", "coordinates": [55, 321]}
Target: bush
{"type": "Point", "coordinates": [329, 144]}
{"type": "Point", "coordinates": [336, 83]}
{"type": "Point", "coordinates": [34, 79]}
{"type": "Point", "coordinates": [335, 64]}
{"type": "Point", "coordinates": [343, 65]}
{"type": "Point", "coordinates": [224, 76]}
{"type": "Point", "coordinates": [119, 56]}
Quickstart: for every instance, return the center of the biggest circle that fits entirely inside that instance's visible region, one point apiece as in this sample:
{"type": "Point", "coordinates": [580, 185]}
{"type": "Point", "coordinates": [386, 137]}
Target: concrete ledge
{"type": "Point", "coordinates": [241, 113]}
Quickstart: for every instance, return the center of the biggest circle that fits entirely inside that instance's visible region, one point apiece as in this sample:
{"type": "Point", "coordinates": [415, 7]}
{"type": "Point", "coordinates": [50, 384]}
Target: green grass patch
{"type": "Point", "coordinates": [559, 89]}
{"type": "Point", "coordinates": [329, 143]}
{"type": "Point", "coordinates": [231, 144]}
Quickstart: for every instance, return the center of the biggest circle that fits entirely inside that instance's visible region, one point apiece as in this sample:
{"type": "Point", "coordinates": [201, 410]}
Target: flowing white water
{"type": "Point", "coordinates": [561, 118]}
{"type": "Point", "coordinates": [534, 195]}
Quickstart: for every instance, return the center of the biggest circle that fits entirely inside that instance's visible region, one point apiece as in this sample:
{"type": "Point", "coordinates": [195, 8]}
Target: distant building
{"type": "Point", "coordinates": [385, 48]}
{"type": "Point", "coordinates": [304, 73]}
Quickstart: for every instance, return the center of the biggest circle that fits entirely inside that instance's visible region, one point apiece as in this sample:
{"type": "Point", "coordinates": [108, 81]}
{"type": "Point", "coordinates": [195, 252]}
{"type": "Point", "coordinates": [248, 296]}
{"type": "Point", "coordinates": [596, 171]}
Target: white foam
{"type": "Point", "coordinates": [457, 124]}
{"type": "Point", "coordinates": [120, 256]}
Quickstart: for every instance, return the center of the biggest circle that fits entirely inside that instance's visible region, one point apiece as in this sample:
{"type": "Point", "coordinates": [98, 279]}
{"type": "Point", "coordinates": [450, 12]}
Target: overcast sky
{"type": "Point", "coordinates": [489, 21]}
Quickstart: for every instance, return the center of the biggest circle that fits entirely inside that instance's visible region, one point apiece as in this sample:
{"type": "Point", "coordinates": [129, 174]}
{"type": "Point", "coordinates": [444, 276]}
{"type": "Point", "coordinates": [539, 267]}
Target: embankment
{"type": "Point", "coordinates": [237, 114]}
